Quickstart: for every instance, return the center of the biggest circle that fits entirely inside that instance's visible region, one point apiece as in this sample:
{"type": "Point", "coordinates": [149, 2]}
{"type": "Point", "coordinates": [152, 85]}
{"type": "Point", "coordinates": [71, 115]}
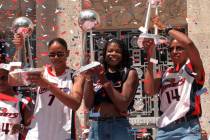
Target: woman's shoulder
{"type": "Point", "coordinates": [130, 70]}
{"type": "Point", "coordinates": [129, 73]}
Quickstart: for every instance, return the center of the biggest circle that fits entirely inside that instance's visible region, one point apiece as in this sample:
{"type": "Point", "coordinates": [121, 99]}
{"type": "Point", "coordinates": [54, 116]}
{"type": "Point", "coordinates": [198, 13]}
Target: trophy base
{"type": "Point", "coordinates": [19, 76]}
{"type": "Point", "coordinates": [92, 65]}
{"type": "Point", "coordinates": [158, 39]}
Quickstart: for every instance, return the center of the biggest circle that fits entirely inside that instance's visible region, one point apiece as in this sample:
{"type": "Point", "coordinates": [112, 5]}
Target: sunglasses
{"type": "Point", "coordinates": [58, 54]}
{"type": "Point", "coordinates": [178, 49]}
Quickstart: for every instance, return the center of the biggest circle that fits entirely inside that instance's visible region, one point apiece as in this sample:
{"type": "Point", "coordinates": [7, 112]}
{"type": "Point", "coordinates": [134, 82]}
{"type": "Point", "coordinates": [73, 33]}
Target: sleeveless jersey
{"type": "Point", "coordinates": [52, 119]}
{"type": "Point", "coordinates": [177, 95]}
{"type": "Point", "coordinates": [9, 115]}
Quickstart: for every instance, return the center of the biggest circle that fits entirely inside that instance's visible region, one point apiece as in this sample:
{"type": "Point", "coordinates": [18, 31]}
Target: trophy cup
{"type": "Point", "coordinates": [157, 38]}
{"type": "Point", "coordinates": [88, 20]}
{"type": "Point", "coordinates": [25, 64]}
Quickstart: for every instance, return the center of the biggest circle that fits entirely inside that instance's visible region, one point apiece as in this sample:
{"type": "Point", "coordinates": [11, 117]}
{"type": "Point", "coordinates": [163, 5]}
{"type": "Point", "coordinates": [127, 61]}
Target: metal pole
{"type": "Point", "coordinates": [156, 28]}
{"type": "Point", "coordinates": [92, 53]}
{"type": "Point", "coordinates": [30, 53]}
{"type": "Point", "coordinates": [148, 17]}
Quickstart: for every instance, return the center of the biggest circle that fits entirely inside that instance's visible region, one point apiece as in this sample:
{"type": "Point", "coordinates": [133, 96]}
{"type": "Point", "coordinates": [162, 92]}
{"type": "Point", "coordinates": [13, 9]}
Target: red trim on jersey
{"type": "Point", "coordinates": [49, 70]}
{"type": "Point", "coordinates": [189, 65]}
{"type": "Point", "coordinates": [200, 81]}
{"type": "Point", "coordinates": [177, 68]}
{"type": "Point", "coordinates": [5, 97]}
{"type": "Point", "coordinates": [197, 110]}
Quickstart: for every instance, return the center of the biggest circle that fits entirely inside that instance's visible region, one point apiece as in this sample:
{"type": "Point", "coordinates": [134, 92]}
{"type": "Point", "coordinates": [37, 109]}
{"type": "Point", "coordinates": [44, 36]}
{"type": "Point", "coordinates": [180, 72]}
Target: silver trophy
{"type": "Point", "coordinates": [88, 20]}
{"type": "Point", "coordinates": [158, 39]}
{"type": "Point", "coordinates": [25, 27]}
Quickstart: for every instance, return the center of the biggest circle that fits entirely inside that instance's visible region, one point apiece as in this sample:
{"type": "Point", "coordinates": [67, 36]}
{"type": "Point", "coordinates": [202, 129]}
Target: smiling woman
{"type": "Point", "coordinates": [57, 95]}
{"type": "Point", "coordinates": [111, 95]}
{"type": "Point", "coordinates": [177, 88]}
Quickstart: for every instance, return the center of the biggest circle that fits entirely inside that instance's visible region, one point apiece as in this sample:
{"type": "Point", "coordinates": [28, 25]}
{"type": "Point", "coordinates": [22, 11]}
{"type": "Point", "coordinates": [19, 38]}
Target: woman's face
{"type": "Point", "coordinates": [177, 52]}
{"type": "Point", "coordinates": [58, 55]}
{"type": "Point", "coordinates": [4, 86]}
{"type": "Point", "coordinates": [113, 54]}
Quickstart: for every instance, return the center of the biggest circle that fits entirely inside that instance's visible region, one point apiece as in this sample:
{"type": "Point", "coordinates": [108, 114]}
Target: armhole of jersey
{"type": "Point", "coordinates": [125, 73]}
{"type": "Point", "coordinates": [22, 106]}
{"type": "Point", "coordinates": [190, 71]}
{"type": "Point", "coordinates": [71, 75]}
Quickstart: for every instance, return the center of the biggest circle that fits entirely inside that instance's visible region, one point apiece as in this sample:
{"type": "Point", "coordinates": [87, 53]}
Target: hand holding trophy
{"type": "Point", "coordinates": [22, 28]}
{"type": "Point", "coordinates": [145, 36]}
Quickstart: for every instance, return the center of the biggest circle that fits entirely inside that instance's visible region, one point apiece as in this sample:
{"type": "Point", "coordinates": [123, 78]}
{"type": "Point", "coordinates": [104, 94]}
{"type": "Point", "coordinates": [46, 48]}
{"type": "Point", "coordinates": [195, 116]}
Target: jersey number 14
{"type": "Point", "coordinates": [172, 95]}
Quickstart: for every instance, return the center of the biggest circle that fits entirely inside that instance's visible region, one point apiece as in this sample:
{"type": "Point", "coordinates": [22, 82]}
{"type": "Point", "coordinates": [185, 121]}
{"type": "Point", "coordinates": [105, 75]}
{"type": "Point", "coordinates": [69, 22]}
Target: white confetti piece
{"type": "Point", "coordinates": [142, 29]}
{"type": "Point", "coordinates": [137, 4]}
{"type": "Point", "coordinates": [43, 6]}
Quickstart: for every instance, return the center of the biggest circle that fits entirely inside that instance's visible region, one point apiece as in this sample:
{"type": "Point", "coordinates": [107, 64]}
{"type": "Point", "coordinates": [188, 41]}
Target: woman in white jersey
{"type": "Point", "coordinates": [57, 95]}
{"type": "Point", "coordinates": [179, 102]}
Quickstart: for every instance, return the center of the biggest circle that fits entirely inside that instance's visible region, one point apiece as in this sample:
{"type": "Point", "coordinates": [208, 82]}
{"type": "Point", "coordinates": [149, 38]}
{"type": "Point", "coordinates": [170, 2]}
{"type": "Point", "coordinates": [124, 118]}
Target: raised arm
{"type": "Point", "coordinates": [192, 52]}
{"type": "Point", "coordinates": [151, 83]}
{"type": "Point", "coordinates": [190, 48]}
{"type": "Point", "coordinates": [72, 100]}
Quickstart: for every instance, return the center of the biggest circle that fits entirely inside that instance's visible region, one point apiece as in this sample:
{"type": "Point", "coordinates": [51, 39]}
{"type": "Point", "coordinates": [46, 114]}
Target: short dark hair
{"type": "Point", "coordinates": [126, 61]}
{"type": "Point", "coordinates": [60, 41]}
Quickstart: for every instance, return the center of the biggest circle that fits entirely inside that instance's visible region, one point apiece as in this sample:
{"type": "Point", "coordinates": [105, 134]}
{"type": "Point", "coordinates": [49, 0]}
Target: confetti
{"type": "Point", "coordinates": [96, 114]}
{"type": "Point", "coordinates": [14, 1]}
{"type": "Point", "coordinates": [43, 6]}
{"type": "Point", "coordinates": [63, 33]}
{"type": "Point", "coordinates": [40, 1]}
{"type": "Point", "coordinates": [44, 53]}
{"type": "Point", "coordinates": [202, 91]}
{"type": "Point", "coordinates": [87, 4]}
{"type": "Point", "coordinates": [137, 4]}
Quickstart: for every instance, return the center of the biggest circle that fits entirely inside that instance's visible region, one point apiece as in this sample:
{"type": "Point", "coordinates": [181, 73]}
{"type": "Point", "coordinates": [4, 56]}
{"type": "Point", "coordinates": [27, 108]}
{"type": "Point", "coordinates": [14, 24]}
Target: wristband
{"type": "Point", "coordinates": [154, 61]}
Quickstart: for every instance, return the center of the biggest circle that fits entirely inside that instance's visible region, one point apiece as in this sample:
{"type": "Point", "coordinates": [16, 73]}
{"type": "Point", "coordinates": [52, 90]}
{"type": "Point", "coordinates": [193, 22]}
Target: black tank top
{"type": "Point", "coordinates": [117, 82]}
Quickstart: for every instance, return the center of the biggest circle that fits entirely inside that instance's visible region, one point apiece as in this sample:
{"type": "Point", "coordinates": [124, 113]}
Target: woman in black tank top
{"type": "Point", "coordinates": [110, 95]}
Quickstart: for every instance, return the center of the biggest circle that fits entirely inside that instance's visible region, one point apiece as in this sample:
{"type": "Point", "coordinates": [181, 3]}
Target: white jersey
{"type": "Point", "coordinates": [52, 119]}
{"type": "Point", "coordinates": [178, 95]}
{"type": "Point", "coordinates": [9, 115]}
